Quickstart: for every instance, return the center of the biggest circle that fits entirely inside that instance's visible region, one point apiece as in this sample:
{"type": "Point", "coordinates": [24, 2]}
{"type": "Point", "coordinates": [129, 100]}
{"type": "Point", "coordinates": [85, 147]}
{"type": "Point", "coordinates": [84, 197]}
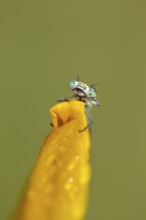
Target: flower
{"type": "Point", "coordinates": [58, 186]}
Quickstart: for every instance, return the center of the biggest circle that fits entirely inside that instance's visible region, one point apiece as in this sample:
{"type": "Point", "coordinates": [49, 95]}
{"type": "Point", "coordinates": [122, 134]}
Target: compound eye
{"type": "Point", "coordinates": [91, 92]}
{"type": "Point", "coordinates": [73, 84]}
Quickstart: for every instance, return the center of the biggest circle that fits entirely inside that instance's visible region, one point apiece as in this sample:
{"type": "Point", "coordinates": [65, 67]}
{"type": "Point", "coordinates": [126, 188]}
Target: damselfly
{"type": "Point", "coordinates": [83, 93]}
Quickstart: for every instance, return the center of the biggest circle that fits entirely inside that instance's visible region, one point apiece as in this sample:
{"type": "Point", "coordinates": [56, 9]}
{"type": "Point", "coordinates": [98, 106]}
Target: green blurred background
{"type": "Point", "coordinates": [42, 46]}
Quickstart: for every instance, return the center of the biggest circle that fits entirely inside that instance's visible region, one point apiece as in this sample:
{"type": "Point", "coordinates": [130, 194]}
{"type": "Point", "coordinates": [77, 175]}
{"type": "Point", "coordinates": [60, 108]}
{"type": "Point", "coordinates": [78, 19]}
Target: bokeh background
{"type": "Point", "coordinates": [42, 45]}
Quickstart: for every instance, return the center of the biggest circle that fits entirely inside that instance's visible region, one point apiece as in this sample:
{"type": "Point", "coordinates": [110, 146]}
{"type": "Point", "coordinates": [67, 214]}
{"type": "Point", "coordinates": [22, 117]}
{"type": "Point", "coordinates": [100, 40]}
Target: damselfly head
{"type": "Point", "coordinates": [84, 92]}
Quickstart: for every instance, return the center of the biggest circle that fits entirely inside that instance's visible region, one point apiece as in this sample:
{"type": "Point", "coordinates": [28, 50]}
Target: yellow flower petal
{"type": "Point", "coordinates": [58, 186]}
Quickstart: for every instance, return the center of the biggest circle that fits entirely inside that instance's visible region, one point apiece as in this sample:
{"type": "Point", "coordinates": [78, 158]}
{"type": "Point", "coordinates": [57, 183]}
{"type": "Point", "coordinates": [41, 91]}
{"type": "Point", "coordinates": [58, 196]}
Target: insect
{"type": "Point", "coordinates": [84, 93]}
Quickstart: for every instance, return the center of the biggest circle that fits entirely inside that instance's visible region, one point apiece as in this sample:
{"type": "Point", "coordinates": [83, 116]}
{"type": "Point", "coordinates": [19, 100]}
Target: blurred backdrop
{"type": "Point", "coordinates": [42, 45]}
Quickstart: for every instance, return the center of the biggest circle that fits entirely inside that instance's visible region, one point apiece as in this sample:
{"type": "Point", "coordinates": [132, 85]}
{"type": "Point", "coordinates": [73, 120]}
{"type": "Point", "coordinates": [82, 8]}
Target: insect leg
{"type": "Point", "coordinates": [51, 124]}
{"type": "Point", "coordinates": [64, 99]}
{"type": "Point", "coordinates": [89, 122]}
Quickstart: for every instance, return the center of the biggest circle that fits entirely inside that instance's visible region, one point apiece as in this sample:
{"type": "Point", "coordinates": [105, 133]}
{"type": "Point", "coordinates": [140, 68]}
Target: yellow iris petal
{"type": "Point", "coordinates": [58, 186]}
